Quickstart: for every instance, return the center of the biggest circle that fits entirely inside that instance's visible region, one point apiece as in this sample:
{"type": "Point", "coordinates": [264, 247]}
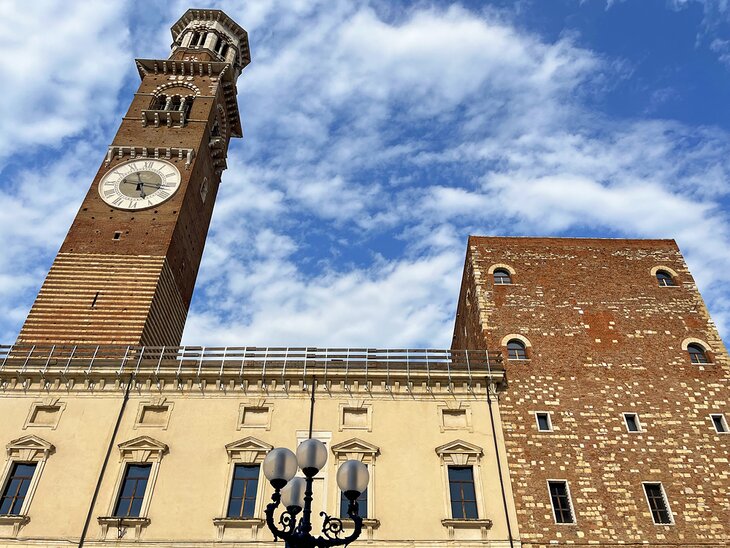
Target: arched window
{"type": "Point", "coordinates": [516, 350]}
{"type": "Point", "coordinates": [665, 279]}
{"type": "Point", "coordinates": [697, 354]}
{"type": "Point", "coordinates": [502, 277]}
{"type": "Point", "coordinates": [198, 39]}
{"type": "Point", "coordinates": [158, 103]}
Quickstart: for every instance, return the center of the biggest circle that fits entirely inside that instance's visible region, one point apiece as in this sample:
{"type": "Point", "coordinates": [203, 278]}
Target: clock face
{"type": "Point", "coordinates": [139, 184]}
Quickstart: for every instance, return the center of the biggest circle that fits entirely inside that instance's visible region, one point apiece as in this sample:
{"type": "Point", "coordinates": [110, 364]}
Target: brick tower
{"type": "Point", "coordinates": [126, 270]}
{"type": "Point", "coordinates": [615, 417]}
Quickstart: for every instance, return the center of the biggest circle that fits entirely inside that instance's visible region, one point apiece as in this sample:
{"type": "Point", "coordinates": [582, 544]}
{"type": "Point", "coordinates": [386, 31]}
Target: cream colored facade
{"type": "Point", "coordinates": [194, 419]}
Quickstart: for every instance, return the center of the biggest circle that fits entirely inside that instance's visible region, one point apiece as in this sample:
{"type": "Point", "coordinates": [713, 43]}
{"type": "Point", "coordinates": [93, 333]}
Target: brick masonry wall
{"type": "Point", "coordinates": [605, 339]}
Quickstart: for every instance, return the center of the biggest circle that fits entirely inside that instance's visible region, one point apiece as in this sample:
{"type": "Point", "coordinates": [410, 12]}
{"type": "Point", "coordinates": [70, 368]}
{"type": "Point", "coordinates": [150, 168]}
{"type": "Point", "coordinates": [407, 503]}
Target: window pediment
{"type": "Point", "coordinates": [459, 453]}
{"type": "Point", "coordinates": [142, 449]}
{"type": "Point", "coordinates": [29, 448]}
{"type": "Point", "coordinates": [356, 449]}
{"type": "Point", "coordinates": [248, 449]}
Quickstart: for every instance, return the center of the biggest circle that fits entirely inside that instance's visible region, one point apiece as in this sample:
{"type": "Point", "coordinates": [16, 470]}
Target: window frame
{"type": "Point", "coordinates": [243, 500]}
{"type": "Point", "coordinates": [27, 449]}
{"type": "Point", "coordinates": [548, 414]}
{"type": "Point", "coordinates": [523, 348]}
{"type": "Point", "coordinates": [501, 273]}
{"type": "Point", "coordinates": [705, 357]}
{"type": "Point", "coordinates": [367, 453]}
{"type": "Point", "coordinates": [469, 467]}
{"type": "Point", "coordinates": [637, 419]}
{"type": "Point", "coordinates": [571, 507]}
{"type": "Point", "coordinates": [125, 478]}
{"type": "Point", "coordinates": [665, 276]}
{"type": "Point", "coordinates": [665, 499]}
{"type": "Point", "coordinates": [723, 422]}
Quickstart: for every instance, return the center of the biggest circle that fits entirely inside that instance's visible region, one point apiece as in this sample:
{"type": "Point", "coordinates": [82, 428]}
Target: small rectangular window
{"type": "Point", "coordinates": [720, 424]}
{"type": "Point", "coordinates": [16, 488]}
{"type": "Point", "coordinates": [244, 486]}
{"type": "Point", "coordinates": [560, 499]}
{"type": "Point", "coordinates": [632, 422]}
{"type": "Point", "coordinates": [117, 235]}
{"type": "Point", "coordinates": [544, 424]}
{"type": "Point", "coordinates": [463, 494]}
{"type": "Point", "coordinates": [131, 495]}
{"type": "Point", "coordinates": [657, 503]}
{"type": "Point", "coordinates": [362, 502]}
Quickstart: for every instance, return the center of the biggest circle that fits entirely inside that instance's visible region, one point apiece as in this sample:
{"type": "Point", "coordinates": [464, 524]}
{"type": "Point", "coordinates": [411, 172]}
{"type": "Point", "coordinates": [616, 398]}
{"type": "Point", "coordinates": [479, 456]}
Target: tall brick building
{"type": "Point", "coordinates": [603, 393]}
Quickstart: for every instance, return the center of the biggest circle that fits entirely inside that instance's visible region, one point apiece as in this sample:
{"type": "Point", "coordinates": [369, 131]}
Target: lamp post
{"type": "Point", "coordinates": [280, 467]}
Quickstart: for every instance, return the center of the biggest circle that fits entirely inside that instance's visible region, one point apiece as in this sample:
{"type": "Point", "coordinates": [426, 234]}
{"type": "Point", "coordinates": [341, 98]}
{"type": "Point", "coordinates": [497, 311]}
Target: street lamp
{"type": "Point", "coordinates": [280, 467]}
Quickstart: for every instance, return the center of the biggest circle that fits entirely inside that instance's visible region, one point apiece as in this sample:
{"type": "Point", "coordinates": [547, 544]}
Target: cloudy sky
{"type": "Point", "coordinates": [378, 135]}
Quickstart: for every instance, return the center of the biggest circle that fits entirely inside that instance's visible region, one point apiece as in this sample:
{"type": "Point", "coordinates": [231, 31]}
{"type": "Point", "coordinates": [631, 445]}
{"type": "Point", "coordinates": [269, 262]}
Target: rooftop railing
{"type": "Point", "coordinates": [247, 361]}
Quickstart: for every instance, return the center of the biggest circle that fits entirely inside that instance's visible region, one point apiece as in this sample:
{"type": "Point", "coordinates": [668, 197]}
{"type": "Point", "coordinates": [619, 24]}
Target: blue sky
{"type": "Point", "coordinates": [378, 135]}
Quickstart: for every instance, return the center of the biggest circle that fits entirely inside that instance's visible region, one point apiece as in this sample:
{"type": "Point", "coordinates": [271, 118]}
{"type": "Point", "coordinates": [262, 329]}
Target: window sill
{"type": "Point", "coordinates": [16, 520]}
{"type": "Point", "coordinates": [122, 524]}
{"type": "Point", "coordinates": [368, 526]}
{"type": "Point", "coordinates": [237, 523]}
{"type": "Point", "coordinates": [455, 523]}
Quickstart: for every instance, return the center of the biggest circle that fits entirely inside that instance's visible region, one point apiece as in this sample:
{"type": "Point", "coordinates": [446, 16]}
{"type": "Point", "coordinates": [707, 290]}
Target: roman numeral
{"type": "Point", "coordinates": [110, 193]}
{"type": "Point", "coordinates": [108, 183]}
{"type": "Point", "coordinates": [148, 165]}
{"type": "Point", "coordinates": [118, 201]}
{"type": "Point", "coordinates": [168, 175]}
{"type": "Point", "coordinates": [162, 193]}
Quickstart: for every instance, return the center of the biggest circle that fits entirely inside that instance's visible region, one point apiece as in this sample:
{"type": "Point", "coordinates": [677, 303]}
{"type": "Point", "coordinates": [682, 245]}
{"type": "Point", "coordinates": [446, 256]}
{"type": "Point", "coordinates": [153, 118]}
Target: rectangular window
{"type": "Point", "coordinates": [16, 488]}
{"type": "Point", "coordinates": [560, 499]}
{"type": "Point", "coordinates": [362, 501]}
{"type": "Point", "coordinates": [632, 422]}
{"type": "Point", "coordinates": [463, 494]}
{"type": "Point", "coordinates": [657, 503]}
{"type": "Point", "coordinates": [242, 503]}
{"type": "Point", "coordinates": [131, 495]}
{"type": "Point", "coordinates": [544, 424]}
{"type": "Point", "coordinates": [720, 424]}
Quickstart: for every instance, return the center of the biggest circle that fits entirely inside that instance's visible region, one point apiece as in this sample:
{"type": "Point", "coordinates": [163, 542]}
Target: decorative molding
{"type": "Point", "coordinates": [356, 449]}
{"type": "Point", "coordinates": [522, 338]}
{"type": "Point", "coordinates": [134, 151]}
{"type": "Point", "coordinates": [122, 524]}
{"type": "Point", "coordinates": [248, 450]}
{"type": "Point", "coordinates": [29, 449]}
{"type": "Point", "coordinates": [459, 453]}
{"type": "Point", "coordinates": [142, 450]}
{"type": "Point", "coordinates": [483, 524]}
{"type": "Point", "coordinates": [694, 340]}
{"type": "Point", "coordinates": [17, 521]}
{"type": "Point", "coordinates": [666, 269]}
{"type": "Point", "coordinates": [507, 267]}
{"type": "Point", "coordinates": [48, 404]}
{"type": "Point", "coordinates": [238, 523]}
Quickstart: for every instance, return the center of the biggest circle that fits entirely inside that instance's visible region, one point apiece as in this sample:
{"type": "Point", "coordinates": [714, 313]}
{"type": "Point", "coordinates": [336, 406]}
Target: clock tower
{"type": "Point", "coordinates": [126, 271]}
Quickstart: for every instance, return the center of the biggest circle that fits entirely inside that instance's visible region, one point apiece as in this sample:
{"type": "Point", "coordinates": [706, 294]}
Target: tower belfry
{"type": "Point", "coordinates": [126, 270]}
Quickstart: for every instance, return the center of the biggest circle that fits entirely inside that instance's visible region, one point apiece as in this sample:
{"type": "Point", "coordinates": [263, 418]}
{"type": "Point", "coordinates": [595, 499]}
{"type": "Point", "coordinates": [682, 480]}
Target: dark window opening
{"type": "Point", "coordinates": [362, 501]}
{"type": "Point", "coordinates": [16, 488]}
{"type": "Point", "coordinates": [657, 503]}
{"type": "Point", "coordinates": [720, 424]}
{"type": "Point", "coordinates": [93, 301]}
{"type": "Point", "coordinates": [242, 503]}
{"type": "Point", "coordinates": [665, 279]}
{"type": "Point", "coordinates": [543, 422]}
{"type": "Point", "coordinates": [131, 495]}
{"type": "Point", "coordinates": [463, 494]}
{"type": "Point", "coordinates": [561, 501]}
{"type": "Point", "coordinates": [502, 277]}
{"type": "Point", "coordinates": [697, 354]}
{"type": "Point", "coordinates": [117, 235]}
{"type": "Point", "coordinates": [215, 131]}
{"type": "Point", "coordinates": [516, 350]}
{"type": "Point", "coordinates": [159, 102]}
{"type": "Point", "coordinates": [632, 422]}
{"type": "Point", "coordinates": [198, 39]}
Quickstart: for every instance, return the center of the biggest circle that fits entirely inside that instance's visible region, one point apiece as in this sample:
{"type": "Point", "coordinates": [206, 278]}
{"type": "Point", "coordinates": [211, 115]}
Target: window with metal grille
{"type": "Point", "coordinates": [129, 504]}
{"type": "Point", "coordinates": [242, 503]}
{"type": "Point", "coordinates": [657, 503]}
{"type": "Point", "coordinates": [502, 277]}
{"type": "Point", "coordinates": [632, 422]}
{"type": "Point", "coordinates": [463, 494]}
{"type": "Point", "coordinates": [720, 424]}
{"type": "Point", "coordinates": [543, 422]}
{"type": "Point", "coordinates": [16, 488]}
{"type": "Point", "coordinates": [697, 354]}
{"type": "Point", "coordinates": [560, 499]}
{"type": "Point", "coordinates": [516, 350]}
{"type": "Point", "coordinates": [362, 501]}
{"type": "Point", "coordinates": [665, 279]}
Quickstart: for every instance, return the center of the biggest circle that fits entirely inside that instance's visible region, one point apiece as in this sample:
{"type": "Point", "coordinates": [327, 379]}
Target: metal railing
{"type": "Point", "coordinates": [246, 361]}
